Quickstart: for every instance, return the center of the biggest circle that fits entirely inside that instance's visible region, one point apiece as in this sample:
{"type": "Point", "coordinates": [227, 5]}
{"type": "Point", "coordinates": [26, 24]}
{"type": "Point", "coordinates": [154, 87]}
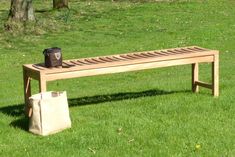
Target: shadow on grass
{"type": "Point", "coordinates": [117, 97]}
{"type": "Point", "coordinates": [22, 123]}
{"type": "Point", "coordinates": [13, 110]}
{"type": "Point", "coordinates": [43, 10]}
{"type": "Point", "coordinates": [18, 110]}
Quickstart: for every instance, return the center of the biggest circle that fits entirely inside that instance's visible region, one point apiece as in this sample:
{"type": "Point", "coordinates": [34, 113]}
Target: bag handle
{"type": "Point", "coordinates": [30, 112]}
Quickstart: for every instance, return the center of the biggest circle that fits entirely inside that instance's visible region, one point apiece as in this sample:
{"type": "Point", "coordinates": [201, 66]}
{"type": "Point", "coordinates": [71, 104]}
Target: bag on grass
{"type": "Point", "coordinates": [50, 113]}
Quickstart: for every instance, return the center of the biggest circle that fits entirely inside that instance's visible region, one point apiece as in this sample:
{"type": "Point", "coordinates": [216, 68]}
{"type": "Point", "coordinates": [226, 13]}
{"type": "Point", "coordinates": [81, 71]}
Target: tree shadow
{"type": "Point", "coordinates": [4, 15]}
{"type": "Point", "coordinates": [3, 10]}
{"type": "Point", "coordinates": [22, 123]}
{"type": "Point", "coordinates": [43, 10]}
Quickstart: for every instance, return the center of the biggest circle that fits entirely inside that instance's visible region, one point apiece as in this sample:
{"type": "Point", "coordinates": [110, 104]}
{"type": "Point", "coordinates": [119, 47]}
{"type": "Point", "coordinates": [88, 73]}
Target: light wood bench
{"type": "Point", "coordinates": [126, 62]}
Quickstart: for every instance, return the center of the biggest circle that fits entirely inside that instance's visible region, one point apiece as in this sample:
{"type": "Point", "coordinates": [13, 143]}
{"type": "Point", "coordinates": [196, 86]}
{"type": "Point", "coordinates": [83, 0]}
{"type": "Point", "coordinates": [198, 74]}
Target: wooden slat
{"type": "Point", "coordinates": [90, 61]}
{"type": "Point", "coordinates": [175, 52]}
{"type": "Point", "coordinates": [193, 49]}
{"type": "Point", "coordinates": [187, 51]}
{"type": "Point", "coordinates": [119, 58]}
{"type": "Point", "coordinates": [68, 64]}
{"type": "Point", "coordinates": [181, 51]}
{"type": "Point", "coordinates": [161, 53]}
{"type": "Point", "coordinates": [147, 55]}
{"type": "Point", "coordinates": [105, 59]}
{"type": "Point", "coordinates": [126, 57]}
{"type": "Point", "coordinates": [132, 56]}
{"type": "Point", "coordinates": [165, 52]}
{"type": "Point", "coordinates": [152, 54]}
{"type": "Point", "coordinates": [98, 60]}
{"type": "Point", "coordinates": [140, 55]}
{"type": "Point", "coordinates": [82, 62]}
{"type": "Point", "coordinates": [39, 66]}
{"type": "Point", "coordinates": [168, 52]}
{"type": "Point", "coordinates": [199, 48]}
{"type": "Point", "coordinates": [74, 62]}
{"type": "Point", "coordinates": [112, 58]}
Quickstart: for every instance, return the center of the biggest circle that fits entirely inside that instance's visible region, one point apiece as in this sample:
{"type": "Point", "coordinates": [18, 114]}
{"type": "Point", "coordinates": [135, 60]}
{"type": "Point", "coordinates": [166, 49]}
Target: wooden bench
{"type": "Point", "coordinates": [126, 62]}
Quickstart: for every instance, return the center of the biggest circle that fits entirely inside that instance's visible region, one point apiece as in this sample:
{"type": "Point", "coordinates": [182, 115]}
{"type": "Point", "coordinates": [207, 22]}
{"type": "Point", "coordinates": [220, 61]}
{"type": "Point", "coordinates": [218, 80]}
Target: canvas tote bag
{"type": "Point", "coordinates": [50, 113]}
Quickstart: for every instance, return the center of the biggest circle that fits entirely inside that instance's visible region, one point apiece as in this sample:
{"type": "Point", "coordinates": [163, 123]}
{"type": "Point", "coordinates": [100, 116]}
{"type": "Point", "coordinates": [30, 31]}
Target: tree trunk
{"type": "Point", "coordinates": [57, 4]}
{"type": "Point", "coordinates": [21, 10]}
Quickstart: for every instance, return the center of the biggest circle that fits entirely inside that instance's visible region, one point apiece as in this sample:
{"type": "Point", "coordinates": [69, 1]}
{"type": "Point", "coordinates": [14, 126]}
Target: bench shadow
{"type": "Point", "coordinates": [89, 100]}
{"type": "Point", "coordinates": [22, 122]}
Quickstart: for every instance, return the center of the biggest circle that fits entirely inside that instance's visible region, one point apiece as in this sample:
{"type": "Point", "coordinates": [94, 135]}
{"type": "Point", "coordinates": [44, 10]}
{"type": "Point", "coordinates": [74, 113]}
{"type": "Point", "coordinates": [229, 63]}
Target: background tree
{"type": "Point", "coordinates": [57, 4]}
{"type": "Point", "coordinates": [21, 10]}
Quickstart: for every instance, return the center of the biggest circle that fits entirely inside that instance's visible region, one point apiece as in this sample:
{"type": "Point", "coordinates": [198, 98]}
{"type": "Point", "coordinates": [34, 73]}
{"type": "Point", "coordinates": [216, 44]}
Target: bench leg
{"type": "Point", "coordinates": [195, 75]}
{"type": "Point", "coordinates": [215, 76]}
{"type": "Point", "coordinates": [42, 84]}
{"type": "Point", "coordinates": [27, 90]}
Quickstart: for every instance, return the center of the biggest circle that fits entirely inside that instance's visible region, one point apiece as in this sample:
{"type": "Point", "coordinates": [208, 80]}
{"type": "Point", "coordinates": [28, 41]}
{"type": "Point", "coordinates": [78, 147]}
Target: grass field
{"type": "Point", "coordinates": [145, 113]}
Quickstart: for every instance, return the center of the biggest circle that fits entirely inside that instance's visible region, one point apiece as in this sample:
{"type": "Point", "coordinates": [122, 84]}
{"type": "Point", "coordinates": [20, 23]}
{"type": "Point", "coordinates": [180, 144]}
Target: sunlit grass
{"type": "Point", "coordinates": [143, 113]}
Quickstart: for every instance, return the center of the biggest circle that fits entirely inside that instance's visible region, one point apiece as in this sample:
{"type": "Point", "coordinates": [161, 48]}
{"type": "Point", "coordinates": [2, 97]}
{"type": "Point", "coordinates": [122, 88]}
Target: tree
{"type": "Point", "coordinates": [57, 4]}
{"type": "Point", "coordinates": [21, 10]}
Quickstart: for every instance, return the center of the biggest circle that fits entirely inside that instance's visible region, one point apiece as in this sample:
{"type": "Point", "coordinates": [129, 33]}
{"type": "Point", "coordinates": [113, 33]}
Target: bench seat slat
{"type": "Point", "coordinates": [161, 53]}
{"type": "Point", "coordinates": [148, 55]}
{"type": "Point", "coordinates": [140, 55]}
{"type": "Point", "coordinates": [132, 56]}
{"type": "Point", "coordinates": [113, 59]}
{"type": "Point", "coordinates": [119, 58]}
{"type": "Point", "coordinates": [126, 57]}
{"type": "Point", "coordinates": [74, 62]}
{"type": "Point", "coordinates": [91, 61]}
{"type": "Point", "coordinates": [82, 62]}
{"type": "Point", "coordinates": [105, 59]}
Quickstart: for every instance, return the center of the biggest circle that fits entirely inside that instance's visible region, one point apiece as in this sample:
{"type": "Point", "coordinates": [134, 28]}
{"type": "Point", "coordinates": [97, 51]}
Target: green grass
{"type": "Point", "coordinates": [155, 109]}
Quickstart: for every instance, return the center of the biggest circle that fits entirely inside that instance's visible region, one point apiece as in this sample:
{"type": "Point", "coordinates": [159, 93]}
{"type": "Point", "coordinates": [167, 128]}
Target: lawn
{"type": "Point", "coordinates": [143, 113]}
